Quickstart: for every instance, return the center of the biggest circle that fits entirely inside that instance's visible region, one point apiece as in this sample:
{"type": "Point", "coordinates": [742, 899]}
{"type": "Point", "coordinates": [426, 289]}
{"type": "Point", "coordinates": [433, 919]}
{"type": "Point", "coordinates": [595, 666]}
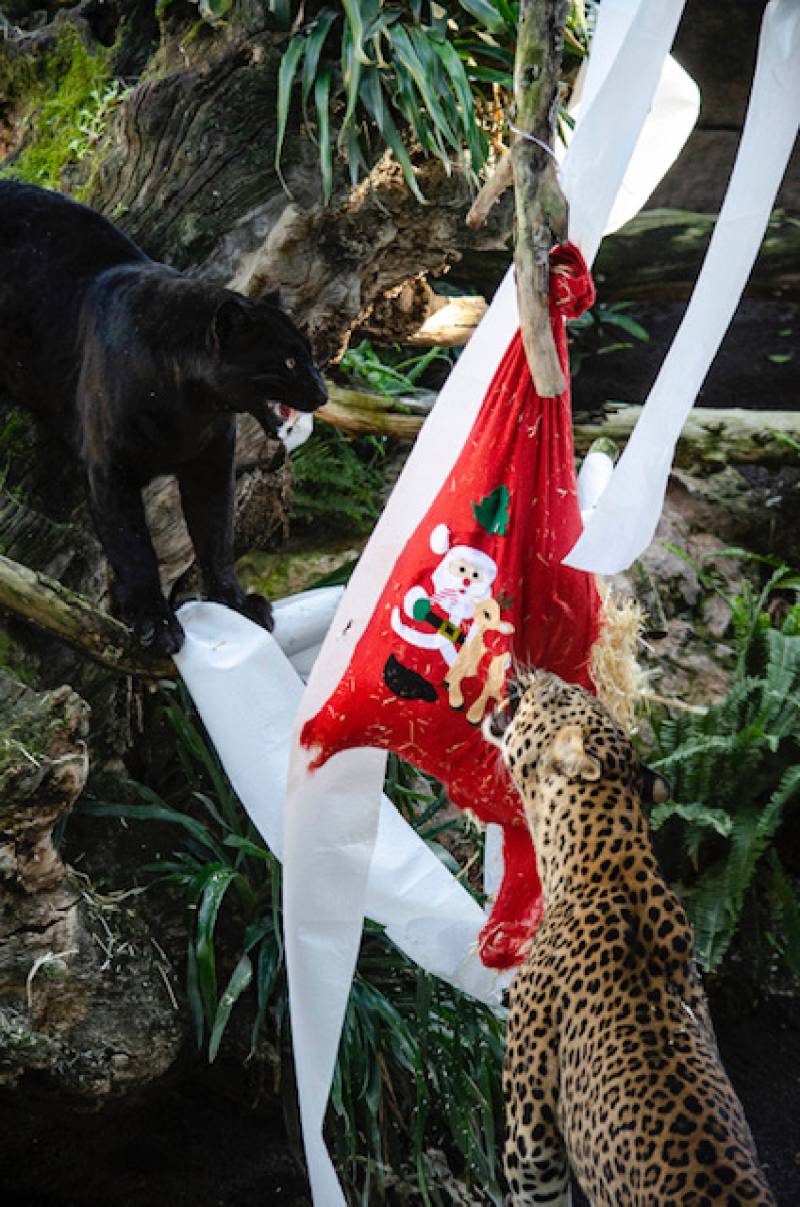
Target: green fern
{"type": "Point", "coordinates": [338, 480]}
{"type": "Point", "coordinates": [734, 771]}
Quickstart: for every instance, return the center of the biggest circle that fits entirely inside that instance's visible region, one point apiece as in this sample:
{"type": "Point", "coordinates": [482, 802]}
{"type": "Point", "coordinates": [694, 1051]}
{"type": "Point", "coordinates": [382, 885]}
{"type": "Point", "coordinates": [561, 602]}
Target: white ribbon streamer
{"type": "Point", "coordinates": [332, 813]}
{"type": "Point", "coordinates": [248, 694]}
{"type": "Point", "coordinates": [612, 120]}
{"type": "Point", "coordinates": [625, 519]}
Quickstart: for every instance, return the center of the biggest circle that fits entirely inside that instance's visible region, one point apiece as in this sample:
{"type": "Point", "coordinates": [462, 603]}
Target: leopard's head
{"type": "Point", "coordinates": [550, 730]}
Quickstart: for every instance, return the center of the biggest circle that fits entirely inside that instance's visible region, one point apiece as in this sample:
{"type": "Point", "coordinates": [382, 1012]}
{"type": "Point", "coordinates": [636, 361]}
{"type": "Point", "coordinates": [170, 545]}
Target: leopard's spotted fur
{"type": "Point", "coordinates": [611, 1061]}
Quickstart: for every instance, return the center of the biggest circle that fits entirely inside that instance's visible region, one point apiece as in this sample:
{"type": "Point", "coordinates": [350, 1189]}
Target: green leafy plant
{"type": "Point", "coordinates": [70, 103]}
{"type": "Point", "coordinates": [598, 332]}
{"type": "Point", "coordinates": [734, 770]}
{"type": "Point", "coordinates": [419, 1065]}
{"type": "Point", "coordinates": [420, 69]}
{"type": "Point", "coordinates": [338, 480]}
{"type": "Point", "coordinates": [390, 372]}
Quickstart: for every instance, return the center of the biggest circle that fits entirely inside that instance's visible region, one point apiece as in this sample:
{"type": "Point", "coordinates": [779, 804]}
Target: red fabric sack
{"type": "Point", "coordinates": [480, 587]}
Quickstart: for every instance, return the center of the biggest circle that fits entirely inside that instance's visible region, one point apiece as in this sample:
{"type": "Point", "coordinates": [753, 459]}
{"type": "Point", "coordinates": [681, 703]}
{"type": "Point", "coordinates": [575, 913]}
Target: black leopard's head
{"type": "Point", "coordinates": [261, 360]}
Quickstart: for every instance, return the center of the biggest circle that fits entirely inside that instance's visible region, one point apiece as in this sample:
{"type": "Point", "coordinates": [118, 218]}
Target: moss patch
{"type": "Point", "coordinates": [279, 574]}
{"type": "Point", "coordinates": [68, 104]}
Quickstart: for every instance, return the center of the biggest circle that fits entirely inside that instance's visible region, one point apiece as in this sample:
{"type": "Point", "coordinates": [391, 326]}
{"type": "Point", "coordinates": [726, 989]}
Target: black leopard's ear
{"type": "Point", "coordinates": [569, 758]}
{"type": "Point", "coordinates": [655, 788]}
{"type": "Point", "coordinates": [233, 313]}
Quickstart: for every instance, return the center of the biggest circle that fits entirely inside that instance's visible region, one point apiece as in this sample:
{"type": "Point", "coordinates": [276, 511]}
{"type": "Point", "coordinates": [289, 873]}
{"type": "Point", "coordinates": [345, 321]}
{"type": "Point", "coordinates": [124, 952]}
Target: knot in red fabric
{"type": "Point", "coordinates": [571, 284]}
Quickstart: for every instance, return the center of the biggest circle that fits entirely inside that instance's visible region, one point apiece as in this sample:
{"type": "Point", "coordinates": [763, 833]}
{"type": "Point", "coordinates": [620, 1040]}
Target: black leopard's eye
{"type": "Point", "coordinates": [290, 362]}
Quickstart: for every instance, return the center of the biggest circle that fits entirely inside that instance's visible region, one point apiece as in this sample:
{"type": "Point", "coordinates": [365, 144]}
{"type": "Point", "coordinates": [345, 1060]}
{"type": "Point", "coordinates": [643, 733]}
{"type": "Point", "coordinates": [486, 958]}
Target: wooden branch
{"type": "Point", "coordinates": [452, 326]}
{"type": "Point", "coordinates": [45, 603]}
{"type": "Point", "coordinates": [711, 438]}
{"type": "Point", "coordinates": [363, 412]}
{"type": "Point", "coordinates": [541, 209]}
{"type": "Point", "coordinates": [501, 179]}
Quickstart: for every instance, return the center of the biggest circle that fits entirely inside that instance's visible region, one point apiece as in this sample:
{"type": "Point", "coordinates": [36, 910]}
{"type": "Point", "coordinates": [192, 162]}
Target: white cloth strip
{"type": "Point", "coordinates": [331, 823]}
{"type": "Point", "coordinates": [624, 522]}
{"type": "Point", "coordinates": [608, 130]}
{"type": "Point", "coordinates": [248, 694]}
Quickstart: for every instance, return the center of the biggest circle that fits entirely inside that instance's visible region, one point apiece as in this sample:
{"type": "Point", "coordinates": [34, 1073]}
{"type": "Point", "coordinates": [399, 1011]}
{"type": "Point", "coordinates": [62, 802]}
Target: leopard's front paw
{"type": "Point", "coordinates": [153, 622]}
{"type": "Point", "coordinates": [259, 609]}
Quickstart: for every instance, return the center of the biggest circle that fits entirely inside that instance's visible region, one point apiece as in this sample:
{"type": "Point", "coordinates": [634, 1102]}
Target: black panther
{"type": "Point", "coordinates": [141, 371]}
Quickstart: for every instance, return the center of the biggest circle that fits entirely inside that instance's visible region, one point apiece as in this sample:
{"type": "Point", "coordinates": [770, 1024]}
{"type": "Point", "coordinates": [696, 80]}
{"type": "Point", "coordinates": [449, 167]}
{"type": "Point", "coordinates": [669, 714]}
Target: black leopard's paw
{"type": "Point", "coordinates": [160, 634]}
{"type": "Point", "coordinates": [153, 622]}
{"type": "Point", "coordinates": [258, 609]}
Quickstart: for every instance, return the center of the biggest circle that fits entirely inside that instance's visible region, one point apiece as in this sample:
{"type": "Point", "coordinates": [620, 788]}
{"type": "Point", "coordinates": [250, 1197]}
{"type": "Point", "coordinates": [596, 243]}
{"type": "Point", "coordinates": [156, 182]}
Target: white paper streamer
{"type": "Point", "coordinates": [625, 520]}
{"type": "Point", "coordinates": [248, 694]}
{"type": "Point", "coordinates": [331, 821]}
{"type": "Point", "coordinates": [593, 479]}
{"type": "Point", "coordinates": [613, 119]}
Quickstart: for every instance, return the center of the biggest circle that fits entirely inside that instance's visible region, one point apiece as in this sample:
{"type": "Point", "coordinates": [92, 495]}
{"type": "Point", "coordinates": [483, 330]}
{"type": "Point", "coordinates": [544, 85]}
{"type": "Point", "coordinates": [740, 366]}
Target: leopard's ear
{"type": "Point", "coordinates": [655, 788]}
{"type": "Point", "coordinates": [568, 757]}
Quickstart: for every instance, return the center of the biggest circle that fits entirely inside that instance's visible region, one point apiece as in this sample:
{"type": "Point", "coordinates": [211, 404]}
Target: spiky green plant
{"type": "Point", "coordinates": [419, 1064]}
{"type": "Point", "coordinates": [602, 330]}
{"type": "Point", "coordinates": [421, 69]}
{"type": "Point", "coordinates": [735, 769]}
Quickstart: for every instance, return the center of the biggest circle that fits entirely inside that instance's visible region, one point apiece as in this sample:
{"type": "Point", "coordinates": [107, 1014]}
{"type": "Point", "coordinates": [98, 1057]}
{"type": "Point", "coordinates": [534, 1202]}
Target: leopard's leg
{"type": "Point", "coordinates": [535, 1156]}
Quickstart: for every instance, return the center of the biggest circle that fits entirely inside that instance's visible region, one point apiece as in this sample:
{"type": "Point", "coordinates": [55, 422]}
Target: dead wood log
{"type": "Point", "coordinates": [711, 438]}
{"type": "Point", "coordinates": [85, 994]}
{"type": "Point", "coordinates": [501, 179]}
{"type": "Point", "coordinates": [45, 603]}
{"type": "Point", "coordinates": [541, 210]}
{"type": "Point", "coordinates": [657, 256]}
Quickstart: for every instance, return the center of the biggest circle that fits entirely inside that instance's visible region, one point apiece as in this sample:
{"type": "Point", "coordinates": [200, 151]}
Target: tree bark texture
{"type": "Point", "coordinates": [44, 602]}
{"type": "Point", "coordinates": [540, 208]}
{"type": "Point", "coordinates": [711, 438]}
{"type": "Point", "coordinates": [84, 995]}
{"type": "Point", "coordinates": [190, 175]}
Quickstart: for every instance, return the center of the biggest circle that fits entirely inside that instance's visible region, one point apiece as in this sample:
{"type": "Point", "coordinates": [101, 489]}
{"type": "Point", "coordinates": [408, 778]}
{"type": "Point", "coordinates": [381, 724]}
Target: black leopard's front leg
{"type": "Point", "coordinates": [115, 500]}
{"type": "Point", "coordinates": [207, 485]}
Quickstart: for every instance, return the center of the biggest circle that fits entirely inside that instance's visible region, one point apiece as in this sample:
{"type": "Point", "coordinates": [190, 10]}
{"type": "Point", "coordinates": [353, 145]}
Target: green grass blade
{"type": "Point", "coordinates": [322, 89]}
{"type": "Point", "coordinates": [351, 78]}
{"type": "Point", "coordinates": [383, 119]}
{"type": "Point", "coordinates": [155, 813]}
{"type": "Point", "coordinates": [216, 885]}
{"type": "Point", "coordinates": [286, 74]}
{"type": "Point", "coordinates": [315, 41]}
{"type": "Point", "coordinates": [408, 51]}
{"type": "Point", "coordinates": [193, 993]}
{"type": "Point", "coordinates": [240, 978]}
{"type": "Point", "coordinates": [485, 12]}
{"type": "Point", "coordinates": [356, 11]}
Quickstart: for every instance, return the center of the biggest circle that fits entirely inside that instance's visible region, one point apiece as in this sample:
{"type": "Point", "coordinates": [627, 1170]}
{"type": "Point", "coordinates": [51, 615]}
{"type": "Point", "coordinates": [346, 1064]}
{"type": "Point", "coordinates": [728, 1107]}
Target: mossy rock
{"type": "Point", "coordinates": [63, 101]}
{"type": "Point", "coordinates": [277, 575]}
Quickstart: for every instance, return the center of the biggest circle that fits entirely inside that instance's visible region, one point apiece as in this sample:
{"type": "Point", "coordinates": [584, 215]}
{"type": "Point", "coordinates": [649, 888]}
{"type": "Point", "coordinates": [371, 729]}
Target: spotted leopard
{"type": "Point", "coordinates": [611, 1062]}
